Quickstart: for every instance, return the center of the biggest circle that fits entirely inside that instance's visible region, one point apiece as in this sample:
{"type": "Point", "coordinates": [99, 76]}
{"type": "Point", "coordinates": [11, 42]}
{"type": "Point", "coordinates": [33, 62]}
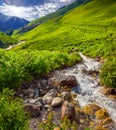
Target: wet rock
{"type": "Point", "coordinates": [53, 82]}
{"type": "Point", "coordinates": [66, 96]}
{"type": "Point", "coordinates": [106, 121]}
{"type": "Point", "coordinates": [43, 92]}
{"type": "Point", "coordinates": [33, 110]}
{"type": "Point", "coordinates": [44, 81]}
{"type": "Point", "coordinates": [108, 91]}
{"type": "Point", "coordinates": [68, 111]}
{"type": "Point", "coordinates": [26, 101]}
{"type": "Point", "coordinates": [112, 96]}
{"type": "Point", "coordinates": [101, 114]}
{"type": "Point", "coordinates": [57, 101]}
{"type": "Point", "coordinates": [90, 109]}
{"type": "Point", "coordinates": [69, 81]}
{"type": "Point", "coordinates": [46, 107]}
{"type": "Point", "coordinates": [37, 101]}
{"type": "Point", "coordinates": [29, 93]}
{"type": "Point", "coordinates": [100, 128]}
{"type": "Point", "coordinates": [36, 93]}
{"type": "Point", "coordinates": [49, 96]}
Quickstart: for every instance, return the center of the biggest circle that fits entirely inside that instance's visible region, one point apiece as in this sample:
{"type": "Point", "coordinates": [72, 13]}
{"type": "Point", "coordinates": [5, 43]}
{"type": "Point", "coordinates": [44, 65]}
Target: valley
{"type": "Point", "coordinates": [58, 72]}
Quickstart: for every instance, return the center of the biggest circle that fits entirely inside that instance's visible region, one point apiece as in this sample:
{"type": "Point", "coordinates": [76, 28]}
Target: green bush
{"type": "Point", "coordinates": [12, 116]}
{"type": "Point", "coordinates": [108, 74]}
{"type": "Point", "coordinates": [16, 67]}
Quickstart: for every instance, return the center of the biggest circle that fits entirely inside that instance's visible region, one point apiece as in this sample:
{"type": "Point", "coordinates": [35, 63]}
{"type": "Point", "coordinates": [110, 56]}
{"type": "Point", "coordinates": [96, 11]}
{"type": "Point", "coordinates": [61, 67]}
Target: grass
{"type": "Point", "coordinates": [16, 67]}
{"type": "Point", "coordinates": [6, 40]}
{"type": "Point", "coordinates": [89, 28]}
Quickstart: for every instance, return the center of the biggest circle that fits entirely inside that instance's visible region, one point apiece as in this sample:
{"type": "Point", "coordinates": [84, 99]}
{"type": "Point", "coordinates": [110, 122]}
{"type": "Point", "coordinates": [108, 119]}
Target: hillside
{"type": "Point", "coordinates": [59, 13]}
{"type": "Point", "coordinates": [5, 40]}
{"type": "Point", "coordinates": [62, 73]}
{"type": "Point", "coordinates": [89, 28]}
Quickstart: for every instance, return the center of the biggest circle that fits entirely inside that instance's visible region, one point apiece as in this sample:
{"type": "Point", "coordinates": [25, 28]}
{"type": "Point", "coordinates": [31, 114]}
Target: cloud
{"type": "Point", "coordinates": [33, 12]}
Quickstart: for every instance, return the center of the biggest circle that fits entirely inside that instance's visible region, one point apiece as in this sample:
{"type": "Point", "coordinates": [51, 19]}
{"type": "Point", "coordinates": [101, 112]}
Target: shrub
{"type": "Point", "coordinates": [16, 67]}
{"type": "Point", "coordinates": [12, 116]}
{"type": "Point", "coordinates": [108, 74]}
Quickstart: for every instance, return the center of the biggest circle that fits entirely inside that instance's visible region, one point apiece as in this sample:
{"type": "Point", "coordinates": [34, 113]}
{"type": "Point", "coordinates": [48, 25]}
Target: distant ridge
{"type": "Point", "coordinates": [10, 23]}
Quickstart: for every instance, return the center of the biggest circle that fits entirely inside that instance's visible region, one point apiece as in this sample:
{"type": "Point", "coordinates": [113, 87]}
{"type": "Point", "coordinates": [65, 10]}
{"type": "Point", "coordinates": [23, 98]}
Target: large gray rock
{"type": "Point", "coordinates": [49, 96]}
{"type": "Point", "coordinates": [57, 101]}
{"type": "Point", "coordinates": [69, 81]}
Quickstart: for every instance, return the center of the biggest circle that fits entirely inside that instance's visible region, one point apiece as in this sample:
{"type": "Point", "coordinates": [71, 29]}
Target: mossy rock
{"type": "Point", "coordinates": [90, 109]}
{"type": "Point", "coordinates": [57, 128]}
{"type": "Point", "coordinates": [66, 88]}
{"type": "Point", "coordinates": [101, 114]}
{"type": "Point", "coordinates": [106, 121]}
{"type": "Point", "coordinates": [87, 110]}
{"type": "Point", "coordinates": [112, 96]}
{"type": "Point", "coordinates": [73, 95]}
{"type": "Point", "coordinates": [100, 128]}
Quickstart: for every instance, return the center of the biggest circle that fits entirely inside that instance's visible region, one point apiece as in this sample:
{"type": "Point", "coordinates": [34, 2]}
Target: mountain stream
{"type": "Point", "coordinates": [88, 87]}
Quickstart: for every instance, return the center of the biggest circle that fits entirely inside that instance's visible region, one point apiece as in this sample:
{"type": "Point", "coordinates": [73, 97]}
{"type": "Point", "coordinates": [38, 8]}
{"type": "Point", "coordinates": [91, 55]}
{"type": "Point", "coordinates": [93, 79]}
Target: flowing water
{"type": "Point", "coordinates": [88, 88]}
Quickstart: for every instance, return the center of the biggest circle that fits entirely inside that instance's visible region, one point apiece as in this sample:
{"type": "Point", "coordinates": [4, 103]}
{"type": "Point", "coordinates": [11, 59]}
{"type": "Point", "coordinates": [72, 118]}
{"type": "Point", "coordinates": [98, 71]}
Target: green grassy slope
{"type": "Point", "coordinates": [5, 40]}
{"type": "Point", "coordinates": [56, 14]}
{"type": "Point", "coordinates": [89, 28]}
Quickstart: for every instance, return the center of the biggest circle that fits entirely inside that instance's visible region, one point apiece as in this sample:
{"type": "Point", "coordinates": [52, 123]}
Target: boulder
{"type": "Point", "coordinates": [33, 110]}
{"type": "Point", "coordinates": [68, 111]}
{"type": "Point", "coordinates": [49, 96]}
{"type": "Point", "coordinates": [57, 101]}
{"type": "Point", "coordinates": [69, 81]}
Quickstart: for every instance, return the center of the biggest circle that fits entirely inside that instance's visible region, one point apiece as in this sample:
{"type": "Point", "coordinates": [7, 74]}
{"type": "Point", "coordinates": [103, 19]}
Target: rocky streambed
{"type": "Point", "coordinates": [78, 89]}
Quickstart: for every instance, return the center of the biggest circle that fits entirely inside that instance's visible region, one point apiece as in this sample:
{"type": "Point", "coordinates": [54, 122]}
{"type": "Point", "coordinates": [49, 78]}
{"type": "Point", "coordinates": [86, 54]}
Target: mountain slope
{"type": "Point", "coordinates": [59, 13]}
{"type": "Point", "coordinates": [5, 40]}
{"type": "Point", "coordinates": [10, 23]}
{"type": "Point", "coordinates": [89, 28]}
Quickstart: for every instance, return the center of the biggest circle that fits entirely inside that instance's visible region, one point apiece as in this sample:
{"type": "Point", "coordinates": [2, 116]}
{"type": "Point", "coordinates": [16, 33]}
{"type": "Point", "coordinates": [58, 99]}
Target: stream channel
{"type": "Point", "coordinates": [88, 89]}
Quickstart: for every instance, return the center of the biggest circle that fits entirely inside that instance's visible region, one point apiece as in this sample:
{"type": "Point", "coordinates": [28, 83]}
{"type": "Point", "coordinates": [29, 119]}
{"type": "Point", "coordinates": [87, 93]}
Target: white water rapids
{"type": "Point", "coordinates": [88, 89]}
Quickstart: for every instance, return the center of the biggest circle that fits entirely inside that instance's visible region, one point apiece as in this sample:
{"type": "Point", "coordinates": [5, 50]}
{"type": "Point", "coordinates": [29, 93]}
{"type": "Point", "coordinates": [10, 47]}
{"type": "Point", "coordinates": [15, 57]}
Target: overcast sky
{"type": "Point", "coordinates": [33, 12]}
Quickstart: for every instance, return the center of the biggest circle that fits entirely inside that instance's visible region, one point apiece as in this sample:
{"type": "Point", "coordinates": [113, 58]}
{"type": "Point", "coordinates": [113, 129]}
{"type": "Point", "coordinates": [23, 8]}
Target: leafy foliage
{"type": "Point", "coordinates": [108, 74]}
{"type": "Point", "coordinates": [5, 40]}
{"type": "Point", "coordinates": [16, 67]}
{"type": "Point", "coordinates": [12, 116]}
{"type": "Point", "coordinates": [89, 28]}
